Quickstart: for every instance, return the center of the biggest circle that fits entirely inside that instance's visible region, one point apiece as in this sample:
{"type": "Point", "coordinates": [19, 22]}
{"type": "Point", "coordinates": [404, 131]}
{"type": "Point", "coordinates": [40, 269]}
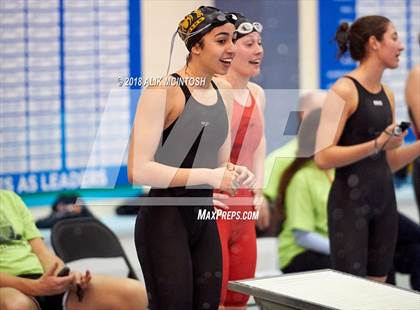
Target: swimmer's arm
{"type": "Point", "coordinates": [340, 104]}
{"type": "Point", "coordinates": [258, 167]}
{"type": "Point", "coordinates": [403, 155]}
{"type": "Point", "coordinates": [145, 137]}
{"type": "Point", "coordinates": [259, 155]}
{"type": "Point", "coordinates": [260, 202]}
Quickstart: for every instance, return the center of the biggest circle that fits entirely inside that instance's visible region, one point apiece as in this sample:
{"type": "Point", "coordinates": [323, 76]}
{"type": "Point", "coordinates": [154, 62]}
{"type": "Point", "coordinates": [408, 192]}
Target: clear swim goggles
{"type": "Point", "coordinates": [246, 28]}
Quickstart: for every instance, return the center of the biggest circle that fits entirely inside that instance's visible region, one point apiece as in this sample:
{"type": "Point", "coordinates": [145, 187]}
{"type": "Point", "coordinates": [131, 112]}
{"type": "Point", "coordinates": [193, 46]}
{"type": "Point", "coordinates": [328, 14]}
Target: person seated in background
{"type": "Point", "coordinates": [28, 271]}
{"type": "Point", "coordinates": [301, 201]}
{"type": "Point", "coordinates": [278, 160]}
{"type": "Point", "coordinates": [66, 206]}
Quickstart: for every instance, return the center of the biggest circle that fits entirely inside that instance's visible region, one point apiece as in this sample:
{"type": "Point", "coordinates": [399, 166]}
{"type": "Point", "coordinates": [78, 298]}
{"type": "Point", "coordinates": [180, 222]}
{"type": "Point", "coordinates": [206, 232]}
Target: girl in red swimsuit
{"type": "Point", "coordinates": [237, 234]}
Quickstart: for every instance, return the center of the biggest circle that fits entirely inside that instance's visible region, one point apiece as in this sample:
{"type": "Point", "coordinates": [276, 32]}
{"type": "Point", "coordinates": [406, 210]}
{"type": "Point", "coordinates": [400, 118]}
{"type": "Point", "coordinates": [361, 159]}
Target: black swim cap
{"type": "Point", "coordinates": [199, 22]}
{"type": "Point", "coordinates": [243, 25]}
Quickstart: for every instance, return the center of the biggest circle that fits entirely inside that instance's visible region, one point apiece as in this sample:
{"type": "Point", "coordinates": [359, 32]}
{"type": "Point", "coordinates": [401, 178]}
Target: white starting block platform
{"type": "Point", "coordinates": [325, 289]}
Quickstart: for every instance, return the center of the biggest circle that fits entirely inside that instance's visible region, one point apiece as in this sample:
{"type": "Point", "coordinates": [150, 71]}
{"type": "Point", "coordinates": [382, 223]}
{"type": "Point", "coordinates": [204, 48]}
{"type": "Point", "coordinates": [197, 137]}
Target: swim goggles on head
{"type": "Point", "coordinates": [247, 27]}
{"type": "Point", "coordinates": [214, 20]}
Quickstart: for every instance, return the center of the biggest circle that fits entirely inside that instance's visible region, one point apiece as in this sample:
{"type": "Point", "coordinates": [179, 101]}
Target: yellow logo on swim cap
{"type": "Point", "coordinates": [185, 24]}
{"type": "Point", "coordinates": [188, 24]}
{"type": "Point", "coordinates": [196, 23]}
{"type": "Point", "coordinates": [198, 13]}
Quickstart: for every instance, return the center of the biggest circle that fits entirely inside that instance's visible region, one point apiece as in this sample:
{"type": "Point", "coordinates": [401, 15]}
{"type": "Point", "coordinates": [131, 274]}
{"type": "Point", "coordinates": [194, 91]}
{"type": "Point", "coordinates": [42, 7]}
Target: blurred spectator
{"type": "Point", "coordinates": [66, 206]}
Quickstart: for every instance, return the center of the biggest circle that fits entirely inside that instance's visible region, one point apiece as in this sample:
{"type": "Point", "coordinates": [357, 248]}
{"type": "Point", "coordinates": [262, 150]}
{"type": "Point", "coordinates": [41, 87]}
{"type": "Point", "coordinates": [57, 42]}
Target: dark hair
{"type": "Point", "coordinates": [189, 56]}
{"type": "Point", "coordinates": [354, 38]}
{"type": "Point", "coordinates": [306, 142]}
{"type": "Point", "coordinates": [65, 198]}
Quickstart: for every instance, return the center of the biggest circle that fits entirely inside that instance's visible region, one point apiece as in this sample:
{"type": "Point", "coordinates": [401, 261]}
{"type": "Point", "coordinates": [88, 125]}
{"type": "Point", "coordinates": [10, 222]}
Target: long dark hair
{"type": "Point", "coordinates": [305, 154]}
{"type": "Point", "coordinates": [354, 38]}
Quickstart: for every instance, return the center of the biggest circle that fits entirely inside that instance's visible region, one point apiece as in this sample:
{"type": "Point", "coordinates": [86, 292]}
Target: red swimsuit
{"type": "Point", "coordinates": [237, 236]}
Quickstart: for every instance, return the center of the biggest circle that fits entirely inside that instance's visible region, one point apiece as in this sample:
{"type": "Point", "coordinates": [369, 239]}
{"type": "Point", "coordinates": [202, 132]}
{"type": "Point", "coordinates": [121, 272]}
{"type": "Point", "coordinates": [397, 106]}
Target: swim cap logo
{"type": "Point", "coordinates": [196, 23]}
{"type": "Point", "coordinates": [188, 24]}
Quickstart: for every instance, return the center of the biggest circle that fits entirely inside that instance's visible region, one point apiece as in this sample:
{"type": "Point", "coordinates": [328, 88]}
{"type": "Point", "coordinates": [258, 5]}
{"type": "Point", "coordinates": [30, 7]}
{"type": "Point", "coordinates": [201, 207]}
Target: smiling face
{"type": "Point", "coordinates": [216, 49]}
{"type": "Point", "coordinates": [249, 54]}
{"type": "Point", "coordinates": [389, 48]}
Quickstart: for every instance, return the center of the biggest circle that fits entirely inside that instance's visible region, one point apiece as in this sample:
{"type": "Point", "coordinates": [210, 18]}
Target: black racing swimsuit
{"type": "Point", "coordinates": [181, 256]}
{"type": "Point", "coordinates": [362, 214]}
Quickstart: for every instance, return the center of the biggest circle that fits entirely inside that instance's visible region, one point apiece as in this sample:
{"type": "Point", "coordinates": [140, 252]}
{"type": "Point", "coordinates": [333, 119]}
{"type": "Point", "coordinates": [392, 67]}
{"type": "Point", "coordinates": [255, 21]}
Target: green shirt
{"type": "Point", "coordinates": [306, 209]}
{"type": "Point", "coordinates": [16, 229]}
{"type": "Point", "coordinates": [275, 165]}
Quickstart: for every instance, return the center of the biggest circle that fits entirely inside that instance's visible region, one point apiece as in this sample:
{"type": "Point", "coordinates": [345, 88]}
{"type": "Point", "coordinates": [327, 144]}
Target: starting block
{"type": "Point", "coordinates": [325, 289]}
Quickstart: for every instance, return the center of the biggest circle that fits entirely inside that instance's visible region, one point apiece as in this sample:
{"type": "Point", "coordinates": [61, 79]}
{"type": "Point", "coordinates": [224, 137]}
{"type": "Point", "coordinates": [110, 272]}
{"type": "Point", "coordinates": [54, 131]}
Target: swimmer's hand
{"type": "Point", "coordinates": [218, 200]}
{"type": "Point", "coordinates": [223, 178]}
{"type": "Point", "coordinates": [387, 140]}
{"type": "Point", "coordinates": [245, 179]}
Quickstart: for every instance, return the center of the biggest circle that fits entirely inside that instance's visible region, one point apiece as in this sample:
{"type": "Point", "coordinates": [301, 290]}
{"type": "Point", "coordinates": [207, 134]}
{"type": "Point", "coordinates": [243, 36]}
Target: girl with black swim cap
{"type": "Point", "coordinates": [357, 137]}
{"type": "Point", "coordinates": [180, 146]}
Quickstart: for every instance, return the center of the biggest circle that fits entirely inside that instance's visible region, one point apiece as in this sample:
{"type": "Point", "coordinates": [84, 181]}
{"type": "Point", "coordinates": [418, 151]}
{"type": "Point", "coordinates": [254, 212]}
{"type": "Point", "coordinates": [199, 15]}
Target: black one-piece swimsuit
{"type": "Point", "coordinates": [181, 256]}
{"type": "Point", "coordinates": [362, 213]}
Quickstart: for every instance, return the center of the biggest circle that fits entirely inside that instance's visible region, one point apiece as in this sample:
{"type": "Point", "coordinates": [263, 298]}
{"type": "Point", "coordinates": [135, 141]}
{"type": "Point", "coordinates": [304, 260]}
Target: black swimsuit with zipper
{"type": "Point", "coordinates": [181, 256]}
{"type": "Point", "coordinates": [362, 213]}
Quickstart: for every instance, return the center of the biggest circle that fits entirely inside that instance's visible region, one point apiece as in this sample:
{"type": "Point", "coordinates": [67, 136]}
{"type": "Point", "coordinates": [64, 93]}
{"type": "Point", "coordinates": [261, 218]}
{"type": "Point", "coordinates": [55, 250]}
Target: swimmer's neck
{"type": "Point", "coordinates": [369, 73]}
{"type": "Point", "coordinates": [193, 72]}
{"type": "Point", "coordinates": [237, 80]}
